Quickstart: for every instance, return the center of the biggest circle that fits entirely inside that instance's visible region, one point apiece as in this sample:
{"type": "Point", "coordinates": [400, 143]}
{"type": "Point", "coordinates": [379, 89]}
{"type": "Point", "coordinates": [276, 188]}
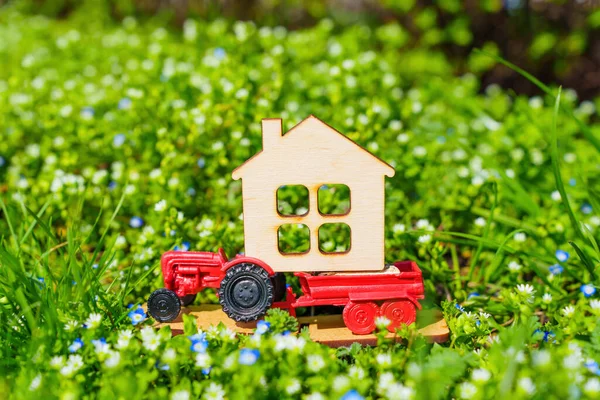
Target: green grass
{"type": "Point", "coordinates": [102, 122]}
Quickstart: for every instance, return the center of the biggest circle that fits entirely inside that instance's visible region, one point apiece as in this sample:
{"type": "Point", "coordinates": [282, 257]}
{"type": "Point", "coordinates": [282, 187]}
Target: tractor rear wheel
{"type": "Point", "coordinates": [399, 312]}
{"type": "Point", "coordinates": [360, 317]}
{"type": "Point", "coordinates": [164, 305]}
{"type": "Point", "coordinates": [246, 292]}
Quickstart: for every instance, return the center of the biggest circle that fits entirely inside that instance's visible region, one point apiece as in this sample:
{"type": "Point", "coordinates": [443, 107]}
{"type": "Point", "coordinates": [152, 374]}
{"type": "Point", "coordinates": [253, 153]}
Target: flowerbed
{"type": "Point", "coordinates": [118, 141]}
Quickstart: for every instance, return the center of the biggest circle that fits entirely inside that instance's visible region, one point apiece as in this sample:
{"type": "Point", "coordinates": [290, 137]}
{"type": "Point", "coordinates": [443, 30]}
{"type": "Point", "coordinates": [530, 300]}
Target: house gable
{"type": "Point", "coordinates": [314, 136]}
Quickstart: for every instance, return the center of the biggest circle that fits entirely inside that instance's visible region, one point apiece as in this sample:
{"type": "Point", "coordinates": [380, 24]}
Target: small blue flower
{"type": "Point", "coordinates": [556, 269]}
{"type": "Point", "coordinates": [201, 162]}
{"type": "Point", "coordinates": [478, 322]}
{"type": "Point", "coordinates": [586, 208]}
{"type": "Point", "coordinates": [473, 294]}
{"type": "Point", "coordinates": [588, 290]}
{"type": "Point", "coordinates": [561, 255]}
{"type": "Point", "coordinates": [41, 280]}
{"type": "Point", "coordinates": [136, 222]}
{"type": "Point", "coordinates": [76, 345]}
{"type": "Point", "coordinates": [112, 185]}
{"type": "Point", "coordinates": [352, 395]}
{"type": "Point", "coordinates": [191, 192]}
{"type": "Point", "coordinates": [161, 366]}
{"type": "Point", "coordinates": [87, 112]}
{"type": "Point", "coordinates": [136, 316]}
{"type": "Point", "coordinates": [262, 327]}
{"type": "Point", "coordinates": [459, 307]}
{"type": "Point", "coordinates": [248, 356]}
{"type": "Point", "coordinates": [572, 182]}
{"type": "Point", "coordinates": [441, 139]}
{"type": "Point", "coordinates": [199, 342]}
{"type": "Point", "coordinates": [185, 246]}
{"type": "Point", "coordinates": [206, 371]}
{"type": "Point", "coordinates": [592, 366]}
{"type": "Point", "coordinates": [124, 103]}
{"type": "Point", "coordinates": [219, 53]}
{"type": "Point", "coordinates": [95, 266]}
{"type": "Point", "coordinates": [2, 161]}
{"type": "Point", "coordinates": [100, 341]}
{"type": "Point", "coordinates": [173, 232]}
{"type": "Point", "coordinates": [119, 139]}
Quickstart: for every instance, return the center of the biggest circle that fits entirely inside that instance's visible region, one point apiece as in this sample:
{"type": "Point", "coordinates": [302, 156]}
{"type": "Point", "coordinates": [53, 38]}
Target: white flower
{"type": "Point", "coordinates": [314, 396]}
{"type": "Point", "coordinates": [595, 304]}
{"type": "Point", "coordinates": [74, 364]}
{"type": "Point", "coordinates": [120, 242]}
{"type": "Point", "coordinates": [402, 138]}
{"type": "Point", "coordinates": [385, 360]}
{"type": "Point", "coordinates": [340, 383]}
{"type": "Point", "coordinates": [314, 363]}
{"type": "Point", "coordinates": [467, 390]}
{"type": "Point", "coordinates": [425, 239]}
{"type": "Point", "coordinates": [514, 266]}
{"type": "Point", "coordinates": [526, 289]}
{"type": "Point", "coordinates": [57, 361]}
{"type": "Point", "coordinates": [160, 206]}
{"type": "Point", "coordinates": [592, 387]}
{"type": "Point", "coordinates": [484, 315]}
{"type": "Point", "coordinates": [419, 151]}
{"type": "Point", "coordinates": [399, 228]}
{"type": "Point", "coordinates": [150, 339]}
{"type": "Point", "coordinates": [547, 298]}
{"type": "Point", "coordinates": [385, 381]}
{"type": "Point", "coordinates": [355, 372]}
{"type": "Point", "coordinates": [573, 361]}
{"type": "Point", "coordinates": [568, 310]}
{"type": "Point", "coordinates": [382, 322]}
{"type": "Point", "coordinates": [556, 195]}
{"type": "Point", "coordinates": [526, 384]}
{"type": "Point", "coordinates": [93, 321]}
{"type": "Point", "coordinates": [70, 326]}
{"type": "Point", "coordinates": [35, 382]}
{"type": "Point", "coordinates": [481, 375]}
{"type": "Point", "coordinates": [293, 386]}
{"type": "Point", "coordinates": [180, 395]}
{"type": "Point", "coordinates": [169, 355]}
{"type": "Point", "coordinates": [123, 339]}
{"type": "Point", "coordinates": [214, 391]}
{"type": "Point", "coordinates": [113, 359]}
{"type": "Point", "coordinates": [541, 358]}
{"type": "Point", "coordinates": [480, 222]}
{"type": "Point", "coordinates": [397, 391]}
{"type": "Point", "coordinates": [520, 237]}
{"type": "Point", "coordinates": [203, 360]}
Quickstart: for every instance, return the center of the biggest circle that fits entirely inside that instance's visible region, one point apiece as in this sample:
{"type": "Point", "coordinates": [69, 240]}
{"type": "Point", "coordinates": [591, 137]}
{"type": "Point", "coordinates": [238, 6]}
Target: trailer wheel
{"type": "Point", "coordinates": [246, 292]}
{"type": "Point", "coordinates": [188, 299]}
{"type": "Point", "coordinates": [360, 317]}
{"type": "Point", "coordinates": [279, 286]}
{"type": "Point", "coordinates": [164, 305]}
{"type": "Point", "coordinates": [399, 312]}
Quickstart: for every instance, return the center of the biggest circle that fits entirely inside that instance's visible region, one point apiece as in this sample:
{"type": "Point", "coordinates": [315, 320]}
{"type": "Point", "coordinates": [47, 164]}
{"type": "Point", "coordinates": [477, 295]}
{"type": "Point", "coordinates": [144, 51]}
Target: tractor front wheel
{"type": "Point", "coordinates": [164, 305]}
{"type": "Point", "coordinates": [246, 292]}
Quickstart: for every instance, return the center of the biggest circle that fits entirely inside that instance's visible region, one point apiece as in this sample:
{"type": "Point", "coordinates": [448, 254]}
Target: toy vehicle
{"type": "Point", "coordinates": [310, 154]}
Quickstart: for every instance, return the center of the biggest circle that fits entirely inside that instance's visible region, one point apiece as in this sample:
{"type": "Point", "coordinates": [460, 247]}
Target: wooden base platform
{"type": "Point", "coordinates": [326, 329]}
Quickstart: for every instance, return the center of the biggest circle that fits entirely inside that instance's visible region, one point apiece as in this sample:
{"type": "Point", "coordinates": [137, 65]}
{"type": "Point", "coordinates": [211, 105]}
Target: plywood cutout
{"type": "Point", "coordinates": [325, 329]}
{"type": "Point", "coordinates": [313, 154]}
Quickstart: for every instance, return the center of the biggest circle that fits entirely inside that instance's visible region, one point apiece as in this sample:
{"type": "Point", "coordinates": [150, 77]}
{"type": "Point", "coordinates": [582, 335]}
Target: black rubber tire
{"type": "Point", "coordinates": [279, 286]}
{"type": "Point", "coordinates": [164, 305]}
{"type": "Point", "coordinates": [246, 292]}
{"type": "Point", "coordinates": [188, 299]}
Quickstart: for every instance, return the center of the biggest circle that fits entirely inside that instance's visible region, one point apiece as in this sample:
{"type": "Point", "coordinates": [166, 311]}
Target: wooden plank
{"type": "Point", "coordinates": [313, 154]}
{"type": "Point", "coordinates": [326, 329]}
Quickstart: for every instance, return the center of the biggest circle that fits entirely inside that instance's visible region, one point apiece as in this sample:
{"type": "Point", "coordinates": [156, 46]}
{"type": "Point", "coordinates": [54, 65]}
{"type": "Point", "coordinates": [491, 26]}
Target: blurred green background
{"type": "Point", "coordinates": [556, 40]}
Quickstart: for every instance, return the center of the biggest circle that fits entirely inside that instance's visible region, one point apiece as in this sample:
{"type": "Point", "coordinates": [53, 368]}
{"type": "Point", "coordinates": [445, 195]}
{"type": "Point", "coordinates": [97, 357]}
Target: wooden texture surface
{"type": "Point", "coordinates": [313, 154]}
{"type": "Point", "coordinates": [326, 329]}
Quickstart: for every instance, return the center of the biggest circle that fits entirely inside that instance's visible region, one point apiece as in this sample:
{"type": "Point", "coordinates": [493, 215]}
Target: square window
{"type": "Point", "coordinates": [334, 238]}
{"type": "Point", "coordinates": [293, 239]}
{"type": "Point", "coordinates": [333, 199]}
{"type": "Point", "coordinates": [292, 200]}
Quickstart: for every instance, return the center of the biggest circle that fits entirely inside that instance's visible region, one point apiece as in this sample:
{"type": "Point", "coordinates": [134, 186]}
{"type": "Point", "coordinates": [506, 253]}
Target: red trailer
{"type": "Point", "coordinates": [247, 288]}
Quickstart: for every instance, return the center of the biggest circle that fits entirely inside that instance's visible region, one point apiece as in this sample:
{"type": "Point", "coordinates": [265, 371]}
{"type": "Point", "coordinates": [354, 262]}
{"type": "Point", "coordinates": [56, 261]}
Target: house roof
{"type": "Point", "coordinates": [385, 167]}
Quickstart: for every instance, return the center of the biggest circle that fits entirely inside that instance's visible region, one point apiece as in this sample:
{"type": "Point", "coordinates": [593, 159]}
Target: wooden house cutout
{"type": "Point", "coordinates": [313, 154]}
